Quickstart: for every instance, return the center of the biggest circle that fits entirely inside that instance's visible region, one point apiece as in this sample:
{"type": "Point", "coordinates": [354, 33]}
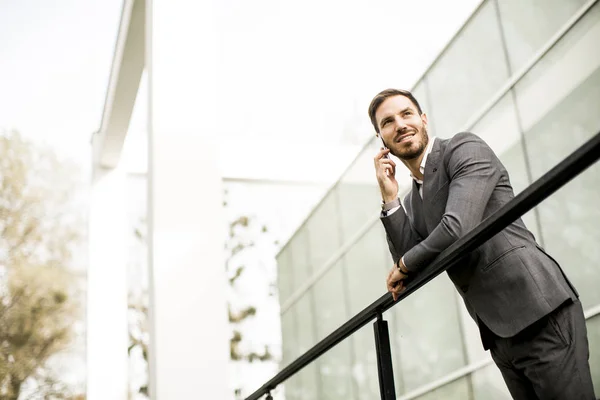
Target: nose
{"type": "Point", "coordinates": [400, 124]}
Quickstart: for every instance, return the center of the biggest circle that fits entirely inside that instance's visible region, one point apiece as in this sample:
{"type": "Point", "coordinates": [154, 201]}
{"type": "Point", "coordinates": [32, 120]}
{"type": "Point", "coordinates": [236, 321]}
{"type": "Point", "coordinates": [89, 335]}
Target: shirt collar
{"type": "Point", "coordinates": [424, 160]}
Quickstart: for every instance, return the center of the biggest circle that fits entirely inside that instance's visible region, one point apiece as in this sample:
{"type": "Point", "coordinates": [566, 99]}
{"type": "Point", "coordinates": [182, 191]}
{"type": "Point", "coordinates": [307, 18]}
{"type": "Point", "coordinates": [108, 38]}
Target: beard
{"type": "Point", "coordinates": [412, 152]}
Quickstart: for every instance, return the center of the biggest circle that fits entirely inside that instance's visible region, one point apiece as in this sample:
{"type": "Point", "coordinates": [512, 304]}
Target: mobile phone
{"type": "Point", "coordinates": [384, 146]}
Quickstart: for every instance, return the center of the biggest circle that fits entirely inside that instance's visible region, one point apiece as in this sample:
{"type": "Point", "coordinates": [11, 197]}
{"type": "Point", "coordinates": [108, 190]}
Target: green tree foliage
{"type": "Point", "coordinates": [38, 234]}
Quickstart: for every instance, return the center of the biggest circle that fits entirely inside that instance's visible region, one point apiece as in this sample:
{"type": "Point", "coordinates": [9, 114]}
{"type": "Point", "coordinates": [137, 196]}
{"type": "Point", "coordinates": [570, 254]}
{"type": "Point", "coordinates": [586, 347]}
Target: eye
{"type": "Point", "coordinates": [385, 122]}
{"type": "Point", "coordinates": [407, 113]}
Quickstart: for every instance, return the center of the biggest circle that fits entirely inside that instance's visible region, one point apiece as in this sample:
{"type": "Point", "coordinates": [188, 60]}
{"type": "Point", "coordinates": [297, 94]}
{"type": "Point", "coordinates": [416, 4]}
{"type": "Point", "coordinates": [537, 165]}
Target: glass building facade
{"type": "Point", "coordinates": [525, 76]}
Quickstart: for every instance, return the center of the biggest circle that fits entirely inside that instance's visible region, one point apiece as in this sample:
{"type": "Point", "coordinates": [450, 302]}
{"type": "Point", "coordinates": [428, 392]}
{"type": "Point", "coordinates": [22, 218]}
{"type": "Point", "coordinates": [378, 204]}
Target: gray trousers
{"type": "Point", "coordinates": [549, 359]}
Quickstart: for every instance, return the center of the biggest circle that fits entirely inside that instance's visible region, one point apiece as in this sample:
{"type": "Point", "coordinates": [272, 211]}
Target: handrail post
{"type": "Point", "coordinates": [385, 369]}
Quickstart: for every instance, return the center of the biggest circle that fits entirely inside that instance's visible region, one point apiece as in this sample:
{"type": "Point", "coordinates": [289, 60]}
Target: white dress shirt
{"type": "Point", "coordinates": [422, 170]}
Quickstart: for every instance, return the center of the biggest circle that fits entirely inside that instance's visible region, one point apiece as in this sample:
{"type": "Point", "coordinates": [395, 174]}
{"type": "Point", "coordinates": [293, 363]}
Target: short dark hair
{"type": "Point", "coordinates": [384, 94]}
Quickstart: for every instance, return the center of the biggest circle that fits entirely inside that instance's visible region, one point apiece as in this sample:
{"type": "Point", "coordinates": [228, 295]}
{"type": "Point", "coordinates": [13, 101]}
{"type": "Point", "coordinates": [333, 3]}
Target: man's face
{"type": "Point", "coordinates": [403, 130]}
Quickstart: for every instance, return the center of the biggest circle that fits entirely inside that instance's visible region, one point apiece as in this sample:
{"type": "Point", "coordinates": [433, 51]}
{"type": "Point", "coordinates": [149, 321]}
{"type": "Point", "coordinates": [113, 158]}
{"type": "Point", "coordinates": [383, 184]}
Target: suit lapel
{"type": "Point", "coordinates": [431, 185]}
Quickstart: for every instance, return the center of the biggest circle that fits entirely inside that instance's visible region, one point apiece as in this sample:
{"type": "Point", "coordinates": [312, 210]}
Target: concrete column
{"type": "Point", "coordinates": [107, 337]}
{"type": "Point", "coordinates": [189, 327]}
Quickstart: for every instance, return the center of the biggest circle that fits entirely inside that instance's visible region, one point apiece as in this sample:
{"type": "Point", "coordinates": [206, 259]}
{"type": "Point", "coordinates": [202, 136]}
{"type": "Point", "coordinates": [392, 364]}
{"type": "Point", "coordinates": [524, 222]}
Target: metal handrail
{"type": "Point", "coordinates": [569, 168]}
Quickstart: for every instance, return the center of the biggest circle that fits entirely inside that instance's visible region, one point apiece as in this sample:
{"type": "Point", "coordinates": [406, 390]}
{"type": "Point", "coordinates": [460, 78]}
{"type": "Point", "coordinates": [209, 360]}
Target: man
{"type": "Point", "coordinates": [528, 313]}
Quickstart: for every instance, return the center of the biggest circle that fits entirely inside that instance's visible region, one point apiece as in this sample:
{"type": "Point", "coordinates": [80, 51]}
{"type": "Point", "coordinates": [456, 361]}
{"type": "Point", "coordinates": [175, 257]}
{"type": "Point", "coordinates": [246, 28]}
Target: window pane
{"type": "Point", "coordinates": [558, 121]}
{"type": "Point", "coordinates": [289, 340]}
{"type": "Point", "coordinates": [323, 227]}
{"type": "Point", "coordinates": [329, 295]}
{"type": "Point", "coordinates": [428, 334]}
{"type": "Point", "coordinates": [570, 62]}
{"type": "Point", "coordinates": [393, 325]}
{"type": "Point", "coordinates": [468, 74]}
{"type": "Point", "coordinates": [305, 329]}
{"type": "Point", "coordinates": [293, 388]}
{"type": "Point", "coordinates": [284, 275]}
{"type": "Point", "coordinates": [364, 370]}
{"type": "Point", "coordinates": [457, 390]}
{"type": "Point", "coordinates": [359, 195]}
{"type": "Point", "coordinates": [528, 25]}
{"type": "Point", "coordinates": [302, 269]}
{"type": "Point", "coordinates": [367, 263]}
{"type": "Point", "coordinates": [297, 337]}
{"type": "Point", "coordinates": [309, 379]}
{"type": "Point", "coordinates": [500, 129]}
{"type": "Point", "coordinates": [488, 384]}
{"type": "Point", "coordinates": [335, 370]}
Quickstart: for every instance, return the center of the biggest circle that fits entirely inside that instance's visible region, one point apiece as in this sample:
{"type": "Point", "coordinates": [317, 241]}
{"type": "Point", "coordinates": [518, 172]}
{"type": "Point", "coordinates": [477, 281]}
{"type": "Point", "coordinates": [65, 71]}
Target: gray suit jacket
{"type": "Point", "coordinates": [509, 282]}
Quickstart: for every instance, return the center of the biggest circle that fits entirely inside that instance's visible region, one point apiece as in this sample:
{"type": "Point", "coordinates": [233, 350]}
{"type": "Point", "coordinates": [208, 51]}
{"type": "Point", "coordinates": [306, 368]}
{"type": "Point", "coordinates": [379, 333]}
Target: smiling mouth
{"type": "Point", "coordinates": [405, 138]}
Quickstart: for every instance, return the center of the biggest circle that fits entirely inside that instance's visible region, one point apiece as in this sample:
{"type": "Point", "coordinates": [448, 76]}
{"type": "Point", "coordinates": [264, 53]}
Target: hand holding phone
{"type": "Point", "coordinates": [385, 170]}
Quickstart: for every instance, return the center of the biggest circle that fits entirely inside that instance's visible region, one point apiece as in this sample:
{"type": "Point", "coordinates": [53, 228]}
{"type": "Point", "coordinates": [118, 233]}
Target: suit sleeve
{"type": "Point", "coordinates": [401, 236]}
{"type": "Point", "coordinates": [474, 171]}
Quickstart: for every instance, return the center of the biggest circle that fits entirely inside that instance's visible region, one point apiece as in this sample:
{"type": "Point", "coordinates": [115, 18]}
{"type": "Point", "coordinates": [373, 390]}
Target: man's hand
{"type": "Point", "coordinates": [385, 170]}
{"type": "Point", "coordinates": [395, 280]}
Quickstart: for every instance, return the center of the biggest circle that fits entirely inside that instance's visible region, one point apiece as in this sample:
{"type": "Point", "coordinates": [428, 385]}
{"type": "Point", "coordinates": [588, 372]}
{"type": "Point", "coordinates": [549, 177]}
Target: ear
{"type": "Point", "coordinates": [424, 119]}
